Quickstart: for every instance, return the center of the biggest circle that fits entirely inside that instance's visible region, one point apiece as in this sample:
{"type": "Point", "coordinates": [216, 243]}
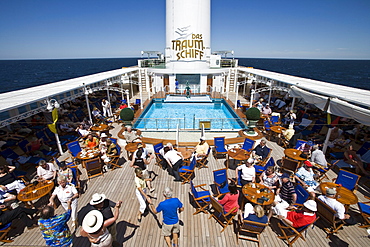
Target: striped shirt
{"type": "Point", "coordinates": [287, 191]}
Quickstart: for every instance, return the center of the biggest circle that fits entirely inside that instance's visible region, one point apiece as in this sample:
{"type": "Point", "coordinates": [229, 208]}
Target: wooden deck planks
{"type": "Point", "coordinates": [197, 230]}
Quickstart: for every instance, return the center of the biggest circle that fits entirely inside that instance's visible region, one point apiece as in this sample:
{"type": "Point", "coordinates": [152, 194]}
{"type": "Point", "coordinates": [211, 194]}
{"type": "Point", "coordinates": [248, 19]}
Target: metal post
{"type": "Point", "coordinates": [252, 95]}
{"type": "Point", "coordinates": [110, 105]}
{"type": "Point", "coordinates": [293, 101]}
{"type": "Point", "coordinates": [58, 144]}
{"type": "Point", "coordinates": [270, 93]}
{"type": "Point", "coordinates": [141, 95]}
{"type": "Point", "coordinates": [128, 98]}
{"type": "Point", "coordinates": [327, 140]}
{"type": "Point", "coordinates": [236, 96]}
{"type": "Point", "coordinates": [88, 106]}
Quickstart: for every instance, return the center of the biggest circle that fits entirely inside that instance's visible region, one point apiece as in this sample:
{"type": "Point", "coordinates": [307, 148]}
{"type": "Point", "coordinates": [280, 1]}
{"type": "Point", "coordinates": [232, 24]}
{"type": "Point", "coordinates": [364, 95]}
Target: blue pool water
{"type": "Point", "coordinates": [188, 116]}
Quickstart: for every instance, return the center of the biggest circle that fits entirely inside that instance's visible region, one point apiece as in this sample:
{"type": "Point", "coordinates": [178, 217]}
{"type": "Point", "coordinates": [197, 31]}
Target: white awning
{"type": "Point", "coordinates": [318, 100]}
{"type": "Point", "coordinates": [344, 109]}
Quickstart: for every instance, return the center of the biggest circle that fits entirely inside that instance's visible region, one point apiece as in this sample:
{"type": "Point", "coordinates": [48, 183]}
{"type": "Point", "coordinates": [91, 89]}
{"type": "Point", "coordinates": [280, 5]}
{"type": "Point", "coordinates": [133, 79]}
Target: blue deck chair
{"type": "Point", "coordinates": [41, 135]}
{"type": "Point", "coordinates": [75, 172]}
{"type": "Point", "coordinates": [25, 149]}
{"type": "Point", "coordinates": [364, 148]}
{"type": "Point", "coordinates": [347, 179]}
{"type": "Point", "coordinates": [9, 153]}
{"type": "Point", "coordinates": [270, 162]}
{"type": "Point", "coordinates": [267, 127]}
{"type": "Point", "coordinates": [248, 144]}
{"type": "Point", "coordinates": [299, 143]}
{"type": "Point", "coordinates": [238, 104]}
{"type": "Point", "coordinates": [259, 169]}
{"type": "Point", "coordinates": [365, 212]}
{"type": "Point", "coordinates": [137, 102]}
{"type": "Point", "coordinates": [4, 229]}
{"type": "Point", "coordinates": [221, 181]}
{"type": "Point", "coordinates": [114, 162]}
{"type": "Point", "coordinates": [74, 148]}
{"type": "Point", "coordinates": [186, 172]}
{"type": "Point", "coordinates": [302, 195]}
{"type": "Point", "coordinates": [220, 149]}
{"type": "Point", "coordinates": [202, 163]}
{"type": "Point", "coordinates": [275, 120]}
{"type": "Point", "coordinates": [201, 198]}
{"type": "Point", "coordinates": [158, 156]}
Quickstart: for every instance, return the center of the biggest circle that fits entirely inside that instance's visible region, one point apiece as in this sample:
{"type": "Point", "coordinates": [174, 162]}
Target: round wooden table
{"type": "Point", "coordinates": [101, 127]}
{"type": "Point", "coordinates": [35, 191]}
{"type": "Point", "coordinates": [237, 154]}
{"type": "Point", "coordinates": [87, 154]}
{"type": "Point", "coordinates": [132, 146]}
{"type": "Point", "coordinates": [294, 154]}
{"type": "Point", "coordinates": [277, 129]}
{"type": "Point", "coordinates": [344, 195]}
{"type": "Point", "coordinates": [186, 153]}
{"type": "Point", "coordinates": [255, 191]}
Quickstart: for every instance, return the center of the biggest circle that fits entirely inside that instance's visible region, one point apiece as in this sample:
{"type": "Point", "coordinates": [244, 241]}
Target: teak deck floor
{"type": "Point", "coordinates": [197, 230]}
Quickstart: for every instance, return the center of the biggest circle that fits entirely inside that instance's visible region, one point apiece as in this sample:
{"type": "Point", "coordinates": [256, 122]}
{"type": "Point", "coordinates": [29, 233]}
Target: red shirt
{"type": "Point", "coordinates": [300, 219]}
{"type": "Point", "coordinates": [229, 202]}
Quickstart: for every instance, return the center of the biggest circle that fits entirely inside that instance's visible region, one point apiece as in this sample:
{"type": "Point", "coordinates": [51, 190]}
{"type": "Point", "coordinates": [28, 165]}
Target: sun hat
{"type": "Point", "coordinates": [307, 163]}
{"type": "Point", "coordinates": [103, 135]}
{"type": "Point", "coordinates": [97, 198]}
{"type": "Point", "coordinates": [330, 192]}
{"type": "Point", "coordinates": [140, 145]}
{"type": "Point", "coordinates": [202, 138]}
{"type": "Point", "coordinates": [311, 205]}
{"type": "Point", "coordinates": [93, 221]}
{"type": "Point", "coordinates": [250, 160]}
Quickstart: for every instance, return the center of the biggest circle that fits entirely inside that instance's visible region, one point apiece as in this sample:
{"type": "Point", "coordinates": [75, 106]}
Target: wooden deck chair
{"type": "Point", "coordinates": [74, 148]}
{"type": "Point", "coordinates": [220, 150]}
{"type": "Point", "coordinates": [267, 129]}
{"type": "Point", "coordinates": [289, 165]}
{"type": "Point", "coordinates": [347, 179]}
{"type": "Point", "coordinates": [201, 198]}
{"type": "Point", "coordinates": [248, 145]}
{"type": "Point", "coordinates": [218, 212]}
{"type": "Point", "coordinates": [302, 195]}
{"type": "Point", "coordinates": [93, 167]}
{"type": "Point", "coordinates": [9, 153]}
{"type": "Point", "coordinates": [202, 163]}
{"type": "Point", "coordinates": [246, 228]}
{"type": "Point", "coordinates": [75, 171]}
{"type": "Point", "coordinates": [299, 143]}
{"type": "Point", "coordinates": [291, 234]}
{"type": "Point", "coordinates": [4, 229]}
{"type": "Point", "coordinates": [186, 172]}
{"type": "Point", "coordinates": [365, 212]}
{"type": "Point", "coordinates": [324, 170]}
{"type": "Point", "coordinates": [114, 160]}
{"type": "Point", "coordinates": [158, 156]}
{"type": "Point", "coordinates": [328, 215]}
{"type": "Point", "coordinates": [221, 181]}
{"type": "Point", "coordinates": [275, 120]}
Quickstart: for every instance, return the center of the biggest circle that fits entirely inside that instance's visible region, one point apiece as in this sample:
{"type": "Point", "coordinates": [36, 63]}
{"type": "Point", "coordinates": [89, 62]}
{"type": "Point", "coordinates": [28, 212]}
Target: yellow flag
{"type": "Point", "coordinates": [53, 126]}
{"type": "Point", "coordinates": [328, 118]}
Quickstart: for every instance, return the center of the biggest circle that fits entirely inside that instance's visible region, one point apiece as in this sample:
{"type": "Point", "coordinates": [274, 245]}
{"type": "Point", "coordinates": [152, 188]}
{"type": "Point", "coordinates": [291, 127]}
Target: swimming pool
{"type": "Point", "coordinates": [188, 115]}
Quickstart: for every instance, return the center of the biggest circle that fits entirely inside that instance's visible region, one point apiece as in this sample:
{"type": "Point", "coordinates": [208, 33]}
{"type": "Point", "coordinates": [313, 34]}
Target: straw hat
{"type": "Point", "coordinates": [311, 205]}
{"type": "Point", "coordinates": [97, 198]}
{"type": "Point", "coordinates": [93, 221]}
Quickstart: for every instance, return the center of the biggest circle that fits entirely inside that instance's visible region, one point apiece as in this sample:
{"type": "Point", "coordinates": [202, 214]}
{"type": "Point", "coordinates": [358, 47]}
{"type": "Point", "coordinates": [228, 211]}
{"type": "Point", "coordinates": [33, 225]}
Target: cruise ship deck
{"type": "Point", "coordinates": [196, 230]}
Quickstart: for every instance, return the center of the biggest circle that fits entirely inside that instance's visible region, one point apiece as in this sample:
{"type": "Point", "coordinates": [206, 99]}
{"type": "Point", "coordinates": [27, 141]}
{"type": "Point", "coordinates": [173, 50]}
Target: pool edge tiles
{"type": "Point", "coordinates": [221, 116]}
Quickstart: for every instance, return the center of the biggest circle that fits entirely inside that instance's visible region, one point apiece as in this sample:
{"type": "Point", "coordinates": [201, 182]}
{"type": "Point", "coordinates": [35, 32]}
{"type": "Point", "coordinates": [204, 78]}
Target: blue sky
{"type": "Point", "coordinates": [335, 29]}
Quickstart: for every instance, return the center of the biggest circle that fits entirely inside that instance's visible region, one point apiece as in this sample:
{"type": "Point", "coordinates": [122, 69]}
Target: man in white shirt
{"type": "Point", "coordinates": [317, 156]}
{"type": "Point", "coordinates": [174, 159]}
{"type": "Point", "coordinates": [329, 199]}
{"type": "Point", "coordinates": [66, 192]}
{"type": "Point", "coordinates": [46, 171]}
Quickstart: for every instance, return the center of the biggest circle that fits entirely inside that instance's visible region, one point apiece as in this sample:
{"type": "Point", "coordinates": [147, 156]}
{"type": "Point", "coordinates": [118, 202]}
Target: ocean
{"type": "Point", "coordinates": [19, 74]}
